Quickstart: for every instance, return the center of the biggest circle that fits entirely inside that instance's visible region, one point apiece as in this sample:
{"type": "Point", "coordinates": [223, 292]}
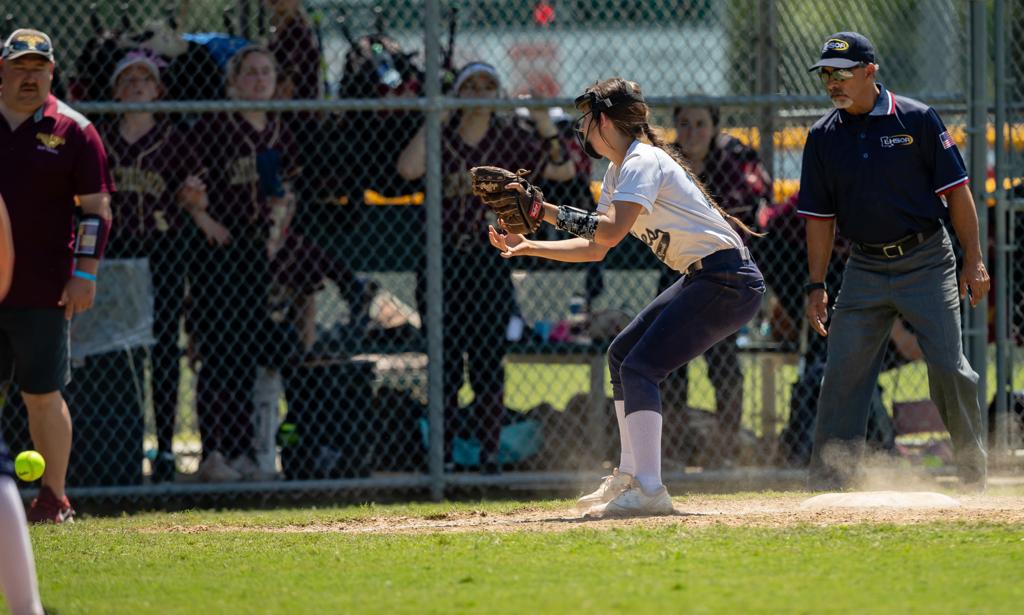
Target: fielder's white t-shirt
{"type": "Point", "coordinates": [679, 225]}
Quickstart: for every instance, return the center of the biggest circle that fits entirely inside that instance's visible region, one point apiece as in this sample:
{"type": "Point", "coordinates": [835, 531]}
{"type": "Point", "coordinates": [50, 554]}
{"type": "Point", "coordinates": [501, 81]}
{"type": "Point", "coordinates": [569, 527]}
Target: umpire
{"type": "Point", "coordinates": [885, 168]}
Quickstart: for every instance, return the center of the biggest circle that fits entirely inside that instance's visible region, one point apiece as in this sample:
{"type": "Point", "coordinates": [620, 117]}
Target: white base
{"type": "Point", "coordinates": [880, 499]}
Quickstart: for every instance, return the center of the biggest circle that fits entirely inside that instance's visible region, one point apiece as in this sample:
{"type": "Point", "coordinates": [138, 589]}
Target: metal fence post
{"type": "Point", "coordinates": [767, 78]}
{"type": "Point", "coordinates": [975, 319]}
{"type": "Point", "coordinates": [1001, 245]}
{"type": "Point", "coordinates": [435, 385]}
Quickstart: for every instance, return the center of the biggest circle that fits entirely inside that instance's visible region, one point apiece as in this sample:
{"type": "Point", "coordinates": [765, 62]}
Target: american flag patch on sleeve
{"type": "Point", "coordinates": [946, 140]}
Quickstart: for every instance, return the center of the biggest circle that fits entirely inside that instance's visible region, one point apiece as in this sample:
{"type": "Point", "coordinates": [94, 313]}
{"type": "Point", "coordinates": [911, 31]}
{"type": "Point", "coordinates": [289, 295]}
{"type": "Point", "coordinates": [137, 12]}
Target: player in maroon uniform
{"type": "Point", "coordinates": [53, 158]}
{"type": "Point", "coordinates": [246, 156]}
{"type": "Point", "coordinates": [157, 188]}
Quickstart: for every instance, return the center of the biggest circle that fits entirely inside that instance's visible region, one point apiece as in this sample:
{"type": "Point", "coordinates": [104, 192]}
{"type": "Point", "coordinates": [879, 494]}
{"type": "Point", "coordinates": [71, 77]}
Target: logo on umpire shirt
{"type": "Point", "coordinates": [894, 140]}
{"type": "Point", "coordinates": [835, 44]}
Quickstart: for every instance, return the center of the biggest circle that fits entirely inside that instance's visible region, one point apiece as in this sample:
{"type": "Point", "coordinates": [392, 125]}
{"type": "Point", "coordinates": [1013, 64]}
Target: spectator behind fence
{"type": "Point", "coordinates": [297, 53]}
{"type": "Point", "coordinates": [246, 155]}
{"type": "Point", "coordinates": [294, 45]}
{"type": "Point", "coordinates": [477, 286]}
{"type": "Point", "coordinates": [305, 259]}
{"type": "Point", "coordinates": [885, 171]}
{"type": "Point", "coordinates": [155, 169]}
{"type": "Point", "coordinates": [52, 156]}
{"type": "Point", "coordinates": [351, 152]}
{"type": "Point", "coordinates": [735, 177]}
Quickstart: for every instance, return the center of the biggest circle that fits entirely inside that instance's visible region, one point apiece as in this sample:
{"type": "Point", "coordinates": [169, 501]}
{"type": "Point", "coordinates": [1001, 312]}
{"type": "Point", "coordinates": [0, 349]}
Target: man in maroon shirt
{"type": "Point", "coordinates": [51, 158]}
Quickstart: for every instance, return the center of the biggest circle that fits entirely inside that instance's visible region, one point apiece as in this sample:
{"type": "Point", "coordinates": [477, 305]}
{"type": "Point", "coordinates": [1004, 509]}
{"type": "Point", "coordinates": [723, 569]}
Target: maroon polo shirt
{"type": "Point", "coordinates": [149, 173]}
{"type": "Point", "coordinates": [53, 156]}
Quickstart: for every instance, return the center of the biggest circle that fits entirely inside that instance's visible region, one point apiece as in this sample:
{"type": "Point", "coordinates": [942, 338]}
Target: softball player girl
{"type": "Point", "coordinates": [649, 193]}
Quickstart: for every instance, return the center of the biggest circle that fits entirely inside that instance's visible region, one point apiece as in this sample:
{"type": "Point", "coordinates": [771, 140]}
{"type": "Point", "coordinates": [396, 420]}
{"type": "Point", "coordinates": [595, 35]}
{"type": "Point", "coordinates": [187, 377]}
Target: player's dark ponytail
{"type": "Point", "coordinates": [631, 118]}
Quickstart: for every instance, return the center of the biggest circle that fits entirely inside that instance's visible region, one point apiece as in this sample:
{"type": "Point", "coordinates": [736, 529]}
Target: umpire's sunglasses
{"type": "Point", "coordinates": [827, 74]}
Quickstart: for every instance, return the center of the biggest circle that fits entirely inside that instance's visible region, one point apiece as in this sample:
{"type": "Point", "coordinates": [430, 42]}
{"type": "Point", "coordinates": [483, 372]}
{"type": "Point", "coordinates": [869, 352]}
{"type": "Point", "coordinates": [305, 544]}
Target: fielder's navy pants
{"type": "Point", "coordinates": [681, 323]}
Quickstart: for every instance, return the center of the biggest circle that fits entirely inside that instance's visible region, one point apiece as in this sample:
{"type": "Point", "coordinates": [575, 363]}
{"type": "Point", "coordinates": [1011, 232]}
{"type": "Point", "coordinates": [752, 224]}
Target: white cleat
{"type": "Point", "coordinates": [611, 486]}
{"type": "Point", "coordinates": [634, 502]}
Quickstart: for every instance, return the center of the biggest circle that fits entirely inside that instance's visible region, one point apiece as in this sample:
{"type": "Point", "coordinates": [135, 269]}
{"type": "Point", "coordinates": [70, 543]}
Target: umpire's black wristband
{"type": "Point", "coordinates": [814, 286]}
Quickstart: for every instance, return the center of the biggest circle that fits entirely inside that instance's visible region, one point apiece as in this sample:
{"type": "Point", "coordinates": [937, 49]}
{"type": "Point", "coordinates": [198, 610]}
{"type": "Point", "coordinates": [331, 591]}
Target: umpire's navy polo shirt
{"type": "Point", "coordinates": [880, 174]}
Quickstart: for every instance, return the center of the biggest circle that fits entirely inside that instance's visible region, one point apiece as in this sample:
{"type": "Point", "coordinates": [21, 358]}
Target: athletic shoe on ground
{"type": "Point", "coordinates": [163, 468]}
{"type": "Point", "coordinates": [611, 486]}
{"type": "Point", "coordinates": [215, 469]}
{"type": "Point", "coordinates": [249, 469]}
{"type": "Point", "coordinates": [634, 502]}
{"type": "Point", "coordinates": [46, 508]}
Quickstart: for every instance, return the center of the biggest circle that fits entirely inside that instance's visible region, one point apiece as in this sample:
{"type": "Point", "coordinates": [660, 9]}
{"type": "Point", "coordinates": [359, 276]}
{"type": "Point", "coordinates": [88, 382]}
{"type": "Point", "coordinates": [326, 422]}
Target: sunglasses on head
{"type": "Point", "coordinates": [29, 45]}
{"type": "Point", "coordinates": [837, 74]}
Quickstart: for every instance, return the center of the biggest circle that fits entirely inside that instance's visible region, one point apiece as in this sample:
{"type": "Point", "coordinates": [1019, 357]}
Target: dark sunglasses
{"type": "Point", "coordinates": [837, 74]}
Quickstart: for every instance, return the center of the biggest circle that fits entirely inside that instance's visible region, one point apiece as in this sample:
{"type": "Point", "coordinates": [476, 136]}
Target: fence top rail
{"type": "Point", "coordinates": [445, 103]}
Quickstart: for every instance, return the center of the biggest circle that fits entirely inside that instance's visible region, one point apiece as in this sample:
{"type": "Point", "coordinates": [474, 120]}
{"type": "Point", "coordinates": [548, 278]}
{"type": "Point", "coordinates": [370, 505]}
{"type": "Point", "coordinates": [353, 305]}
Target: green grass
{"type": "Point", "coordinates": [128, 565]}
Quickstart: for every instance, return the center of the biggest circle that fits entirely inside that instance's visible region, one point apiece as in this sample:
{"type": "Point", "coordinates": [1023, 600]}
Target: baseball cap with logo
{"type": "Point", "coordinates": [845, 50]}
{"type": "Point", "coordinates": [25, 41]}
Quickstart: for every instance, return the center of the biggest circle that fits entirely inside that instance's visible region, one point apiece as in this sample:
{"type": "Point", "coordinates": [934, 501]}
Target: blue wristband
{"type": "Point", "coordinates": [84, 275]}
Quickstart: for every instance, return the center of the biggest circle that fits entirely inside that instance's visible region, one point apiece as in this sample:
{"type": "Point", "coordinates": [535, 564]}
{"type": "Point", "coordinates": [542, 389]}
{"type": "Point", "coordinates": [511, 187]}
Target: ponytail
{"type": "Point", "coordinates": [657, 142]}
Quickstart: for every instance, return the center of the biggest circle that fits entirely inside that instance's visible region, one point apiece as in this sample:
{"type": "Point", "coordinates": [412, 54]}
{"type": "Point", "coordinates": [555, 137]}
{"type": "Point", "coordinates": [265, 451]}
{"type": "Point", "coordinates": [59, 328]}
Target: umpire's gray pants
{"type": "Point", "coordinates": [922, 287]}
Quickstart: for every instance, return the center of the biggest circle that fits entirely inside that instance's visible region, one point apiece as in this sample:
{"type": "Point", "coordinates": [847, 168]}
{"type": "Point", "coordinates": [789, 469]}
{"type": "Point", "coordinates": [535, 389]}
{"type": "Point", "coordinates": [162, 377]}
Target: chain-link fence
{"type": "Point", "coordinates": [331, 316]}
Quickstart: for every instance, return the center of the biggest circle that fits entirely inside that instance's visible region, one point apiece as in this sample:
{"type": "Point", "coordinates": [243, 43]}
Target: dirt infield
{"type": "Point", "coordinates": [691, 512]}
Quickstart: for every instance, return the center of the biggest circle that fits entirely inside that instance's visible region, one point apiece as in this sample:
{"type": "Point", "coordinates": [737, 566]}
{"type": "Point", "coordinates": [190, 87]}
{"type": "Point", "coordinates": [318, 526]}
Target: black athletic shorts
{"type": "Point", "coordinates": [35, 348]}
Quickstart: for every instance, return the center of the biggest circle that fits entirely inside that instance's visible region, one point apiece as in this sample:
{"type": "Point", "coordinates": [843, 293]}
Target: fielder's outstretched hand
{"type": "Point", "coordinates": [510, 244]}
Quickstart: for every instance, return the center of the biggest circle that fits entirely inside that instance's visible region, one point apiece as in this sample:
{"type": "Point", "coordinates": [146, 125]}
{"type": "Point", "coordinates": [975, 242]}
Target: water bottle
{"type": "Point", "coordinates": [577, 305]}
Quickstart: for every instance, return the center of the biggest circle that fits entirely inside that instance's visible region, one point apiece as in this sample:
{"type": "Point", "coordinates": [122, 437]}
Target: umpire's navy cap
{"type": "Point", "coordinates": [845, 50]}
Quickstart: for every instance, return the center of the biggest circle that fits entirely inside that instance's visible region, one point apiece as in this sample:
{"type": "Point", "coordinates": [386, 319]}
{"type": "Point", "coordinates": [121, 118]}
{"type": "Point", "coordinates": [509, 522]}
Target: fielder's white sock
{"type": "Point", "coordinates": [17, 568]}
{"type": "Point", "coordinates": [644, 429]}
{"type": "Point", "coordinates": [627, 464]}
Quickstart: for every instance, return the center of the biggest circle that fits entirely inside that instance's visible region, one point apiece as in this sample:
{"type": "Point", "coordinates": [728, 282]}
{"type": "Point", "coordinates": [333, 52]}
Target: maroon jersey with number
{"type": "Point", "coordinates": [148, 174]}
{"type": "Point", "coordinates": [228, 147]}
{"type": "Point", "coordinates": [50, 158]}
{"type": "Point", "coordinates": [507, 144]}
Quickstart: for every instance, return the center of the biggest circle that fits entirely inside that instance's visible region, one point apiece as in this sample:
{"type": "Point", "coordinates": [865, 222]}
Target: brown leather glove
{"type": "Point", "coordinates": [522, 212]}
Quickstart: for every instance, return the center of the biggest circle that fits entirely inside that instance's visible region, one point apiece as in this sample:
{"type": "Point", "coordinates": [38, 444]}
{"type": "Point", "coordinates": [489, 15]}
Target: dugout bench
{"type": "Point", "coordinates": [388, 238]}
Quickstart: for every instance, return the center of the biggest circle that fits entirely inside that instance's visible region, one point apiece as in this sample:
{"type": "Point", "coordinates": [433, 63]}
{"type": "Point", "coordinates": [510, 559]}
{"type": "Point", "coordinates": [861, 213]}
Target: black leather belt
{"type": "Point", "coordinates": [722, 257]}
{"type": "Point", "coordinates": [897, 248]}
